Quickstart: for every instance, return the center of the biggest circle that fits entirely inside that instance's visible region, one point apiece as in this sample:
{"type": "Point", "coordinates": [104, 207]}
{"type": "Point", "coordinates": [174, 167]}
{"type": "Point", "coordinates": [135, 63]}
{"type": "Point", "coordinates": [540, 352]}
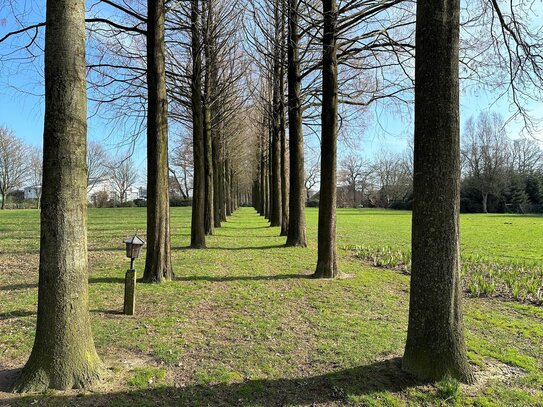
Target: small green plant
{"type": "Point", "coordinates": [147, 377]}
{"type": "Point", "coordinates": [448, 389]}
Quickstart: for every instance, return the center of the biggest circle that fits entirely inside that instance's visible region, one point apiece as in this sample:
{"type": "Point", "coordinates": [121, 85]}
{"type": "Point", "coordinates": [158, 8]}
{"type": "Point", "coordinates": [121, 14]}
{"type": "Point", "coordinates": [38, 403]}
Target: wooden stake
{"type": "Point", "coordinates": [130, 292]}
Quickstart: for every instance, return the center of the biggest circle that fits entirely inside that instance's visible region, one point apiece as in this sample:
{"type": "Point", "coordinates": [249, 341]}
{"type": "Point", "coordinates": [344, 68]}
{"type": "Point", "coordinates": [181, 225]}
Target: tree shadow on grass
{"type": "Point", "coordinates": [339, 387]}
{"type": "Point", "coordinates": [271, 246]}
{"type": "Point", "coordinates": [221, 279]}
{"type": "Point", "coordinates": [7, 379]}
{"type": "Point", "coordinates": [241, 248]}
{"type": "Point", "coordinates": [16, 314]}
{"type": "Point", "coordinates": [13, 287]}
{"type": "Point", "coordinates": [106, 280]}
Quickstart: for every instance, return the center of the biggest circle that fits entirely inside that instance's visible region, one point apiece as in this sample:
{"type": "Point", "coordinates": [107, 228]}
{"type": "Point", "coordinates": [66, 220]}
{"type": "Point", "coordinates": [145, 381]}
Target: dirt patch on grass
{"type": "Point", "coordinates": [491, 372]}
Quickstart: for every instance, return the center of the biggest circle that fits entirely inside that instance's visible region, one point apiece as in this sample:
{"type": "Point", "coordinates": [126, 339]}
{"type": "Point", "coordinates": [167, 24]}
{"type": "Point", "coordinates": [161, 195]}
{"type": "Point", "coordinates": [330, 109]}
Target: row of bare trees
{"type": "Point", "coordinates": [172, 51]}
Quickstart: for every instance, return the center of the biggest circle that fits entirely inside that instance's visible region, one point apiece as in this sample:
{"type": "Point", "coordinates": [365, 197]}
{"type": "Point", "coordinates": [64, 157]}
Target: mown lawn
{"type": "Point", "coordinates": [243, 325]}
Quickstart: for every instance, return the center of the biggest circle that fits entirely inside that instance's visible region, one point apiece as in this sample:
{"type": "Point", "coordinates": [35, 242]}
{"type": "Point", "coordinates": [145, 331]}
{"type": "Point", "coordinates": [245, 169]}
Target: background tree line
{"type": "Point", "coordinates": [499, 173]}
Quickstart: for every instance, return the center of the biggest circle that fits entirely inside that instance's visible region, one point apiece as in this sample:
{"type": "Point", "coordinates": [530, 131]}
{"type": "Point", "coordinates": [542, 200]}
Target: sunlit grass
{"type": "Point", "coordinates": [243, 325]}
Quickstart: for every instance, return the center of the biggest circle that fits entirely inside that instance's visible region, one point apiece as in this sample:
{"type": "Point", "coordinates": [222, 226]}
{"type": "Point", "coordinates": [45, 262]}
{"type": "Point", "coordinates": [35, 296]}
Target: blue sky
{"type": "Point", "coordinates": [21, 107]}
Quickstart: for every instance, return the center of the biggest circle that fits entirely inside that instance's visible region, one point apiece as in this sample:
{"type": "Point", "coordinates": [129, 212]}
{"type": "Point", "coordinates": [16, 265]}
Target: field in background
{"type": "Point", "coordinates": [243, 325]}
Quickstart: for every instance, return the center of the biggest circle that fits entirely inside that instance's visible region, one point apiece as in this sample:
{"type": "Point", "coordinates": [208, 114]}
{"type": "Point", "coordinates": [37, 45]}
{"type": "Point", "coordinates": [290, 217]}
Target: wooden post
{"type": "Point", "coordinates": [130, 292]}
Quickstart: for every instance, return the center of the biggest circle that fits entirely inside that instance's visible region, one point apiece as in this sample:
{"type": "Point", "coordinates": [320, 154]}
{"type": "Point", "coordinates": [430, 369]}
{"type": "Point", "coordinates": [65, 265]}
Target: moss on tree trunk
{"type": "Point", "coordinates": [435, 346]}
{"type": "Point", "coordinates": [327, 263]}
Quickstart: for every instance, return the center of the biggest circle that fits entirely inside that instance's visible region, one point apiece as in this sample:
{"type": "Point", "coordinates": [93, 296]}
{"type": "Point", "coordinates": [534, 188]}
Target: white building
{"type": "Point", "coordinates": [108, 186]}
{"type": "Point", "coordinates": [32, 192]}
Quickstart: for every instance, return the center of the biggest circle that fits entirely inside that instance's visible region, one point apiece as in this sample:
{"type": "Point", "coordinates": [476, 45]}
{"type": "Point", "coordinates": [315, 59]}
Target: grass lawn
{"type": "Point", "coordinates": [243, 325]}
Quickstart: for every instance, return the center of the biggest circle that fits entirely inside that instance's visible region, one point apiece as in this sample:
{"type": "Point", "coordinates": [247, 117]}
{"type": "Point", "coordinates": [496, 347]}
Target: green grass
{"type": "Point", "coordinates": [242, 325]}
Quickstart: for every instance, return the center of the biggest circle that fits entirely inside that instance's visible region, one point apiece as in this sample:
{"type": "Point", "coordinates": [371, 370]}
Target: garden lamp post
{"type": "Point", "coordinates": [133, 250]}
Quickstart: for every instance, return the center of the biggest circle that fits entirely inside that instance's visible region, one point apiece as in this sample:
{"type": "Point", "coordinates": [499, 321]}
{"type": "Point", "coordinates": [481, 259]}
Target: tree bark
{"type": "Point", "coordinates": [158, 262]}
{"type": "Point", "coordinates": [275, 170]}
{"type": "Point", "coordinates": [296, 227]}
{"type": "Point", "coordinates": [216, 180]}
{"type": "Point", "coordinates": [327, 263]}
{"type": "Point", "coordinates": [485, 202]}
{"type": "Point", "coordinates": [282, 122]}
{"type": "Point", "coordinates": [435, 346]}
{"type": "Point", "coordinates": [262, 177]}
{"type": "Point", "coordinates": [63, 355]}
{"type": "Point", "coordinates": [228, 188]}
{"type": "Point", "coordinates": [197, 240]}
{"type": "Point", "coordinates": [209, 220]}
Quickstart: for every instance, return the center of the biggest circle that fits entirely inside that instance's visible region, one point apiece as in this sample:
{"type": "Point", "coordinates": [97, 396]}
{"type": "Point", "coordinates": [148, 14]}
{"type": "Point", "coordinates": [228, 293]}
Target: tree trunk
{"type": "Point", "coordinates": [485, 203]}
{"type": "Point", "coordinates": [327, 263]}
{"type": "Point", "coordinates": [435, 346]}
{"type": "Point", "coordinates": [227, 188]}
{"type": "Point", "coordinates": [209, 221]}
{"type": "Point", "coordinates": [3, 201]}
{"type": "Point", "coordinates": [216, 180]}
{"type": "Point", "coordinates": [63, 356]}
{"type": "Point", "coordinates": [275, 170]}
{"type": "Point", "coordinates": [198, 239]}
{"type": "Point", "coordinates": [282, 121]}
{"type": "Point", "coordinates": [296, 227]}
{"type": "Point", "coordinates": [262, 208]}
{"type": "Point", "coordinates": [158, 262]}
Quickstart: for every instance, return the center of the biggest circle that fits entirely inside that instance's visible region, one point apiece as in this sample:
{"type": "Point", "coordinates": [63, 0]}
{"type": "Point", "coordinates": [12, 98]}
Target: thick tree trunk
{"type": "Point", "coordinates": [63, 356]}
{"type": "Point", "coordinates": [209, 221]}
{"type": "Point", "coordinates": [3, 201]}
{"type": "Point", "coordinates": [435, 346]}
{"type": "Point", "coordinates": [327, 263]}
{"type": "Point", "coordinates": [296, 227]}
{"type": "Point", "coordinates": [485, 203]}
{"type": "Point", "coordinates": [158, 262]}
{"type": "Point", "coordinates": [198, 239]}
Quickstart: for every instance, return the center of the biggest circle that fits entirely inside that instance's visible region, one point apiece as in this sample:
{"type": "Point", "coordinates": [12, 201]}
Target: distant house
{"type": "Point", "coordinates": [108, 186]}
{"type": "Point", "coordinates": [32, 192]}
{"type": "Point", "coordinates": [142, 193]}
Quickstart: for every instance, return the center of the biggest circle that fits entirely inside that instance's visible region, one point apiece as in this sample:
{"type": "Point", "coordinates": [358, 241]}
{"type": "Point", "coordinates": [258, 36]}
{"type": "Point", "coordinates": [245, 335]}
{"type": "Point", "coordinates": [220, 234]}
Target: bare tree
{"type": "Point", "coordinates": [312, 176]}
{"type": "Point", "coordinates": [14, 164]}
{"type": "Point", "coordinates": [353, 172]}
{"type": "Point", "coordinates": [123, 176]}
{"type": "Point", "coordinates": [63, 355]}
{"type": "Point", "coordinates": [486, 155]}
{"type": "Point", "coordinates": [97, 164]}
{"type": "Point", "coordinates": [35, 173]}
{"type": "Point", "coordinates": [392, 174]}
{"type": "Point", "coordinates": [182, 165]}
{"type": "Point", "coordinates": [526, 156]}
